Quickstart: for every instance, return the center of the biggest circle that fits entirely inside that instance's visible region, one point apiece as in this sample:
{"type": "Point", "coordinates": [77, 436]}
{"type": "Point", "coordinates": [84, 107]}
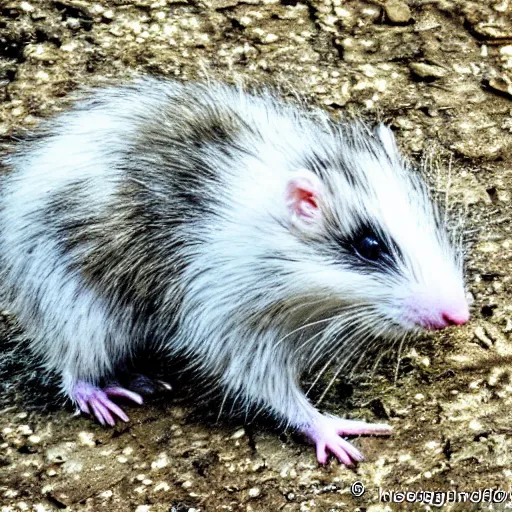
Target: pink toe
{"type": "Point", "coordinates": [356, 428]}
{"type": "Point", "coordinates": [321, 453]}
{"type": "Point", "coordinates": [82, 404]}
{"type": "Point", "coordinates": [115, 409]}
{"type": "Point", "coordinates": [97, 413]}
{"type": "Point", "coordinates": [96, 404]}
{"type": "Point", "coordinates": [125, 393]}
{"type": "Point", "coordinates": [92, 400]}
{"type": "Point", "coordinates": [326, 433]}
{"type": "Point", "coordinates": [342, 455]}
{"type": "Point", "coordinates": [352, 451]}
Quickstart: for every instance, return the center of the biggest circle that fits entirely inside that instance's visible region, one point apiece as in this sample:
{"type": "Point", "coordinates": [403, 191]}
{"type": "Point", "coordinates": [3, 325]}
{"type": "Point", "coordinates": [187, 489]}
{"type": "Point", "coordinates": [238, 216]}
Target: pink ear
{"type": "Point", "coordinates": [303, 193]}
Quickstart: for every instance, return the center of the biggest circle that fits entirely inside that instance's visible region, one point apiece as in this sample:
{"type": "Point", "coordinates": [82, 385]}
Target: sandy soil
{"type": "Point", "coordinates": [440, 72]}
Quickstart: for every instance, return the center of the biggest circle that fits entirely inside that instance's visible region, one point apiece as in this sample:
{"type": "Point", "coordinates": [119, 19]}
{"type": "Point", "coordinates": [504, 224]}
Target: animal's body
{"type": "Point", "coordinates": [250, 235]}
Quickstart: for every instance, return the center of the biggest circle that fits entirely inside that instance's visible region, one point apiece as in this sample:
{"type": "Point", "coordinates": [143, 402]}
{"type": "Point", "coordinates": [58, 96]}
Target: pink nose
{"type": "Point", "coordinates": [434, 312]}
{"type": "Point", "coordinates": [444, 318]}
{"type": "Point", "coordinates": [455, 318]}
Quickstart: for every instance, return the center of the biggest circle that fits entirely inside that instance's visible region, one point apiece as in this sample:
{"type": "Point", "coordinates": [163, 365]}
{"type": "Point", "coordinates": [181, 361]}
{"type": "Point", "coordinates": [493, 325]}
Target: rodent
{"type": "Point", "coordinates": [253, 236]}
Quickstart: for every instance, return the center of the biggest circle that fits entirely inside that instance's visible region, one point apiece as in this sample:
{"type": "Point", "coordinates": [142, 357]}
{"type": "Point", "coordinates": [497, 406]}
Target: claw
{"type": "Point", "coordinates": [146, 385]}
{"type": "Point", "coordinates": [326, 434]}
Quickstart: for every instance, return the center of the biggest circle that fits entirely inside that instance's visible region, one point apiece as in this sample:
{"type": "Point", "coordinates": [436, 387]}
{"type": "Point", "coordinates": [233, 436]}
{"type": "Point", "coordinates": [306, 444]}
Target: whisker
{"type": "Point", "coordinates": [334, 330]}
{"type": "Point", "coordinates": [375, 365]}
{"type": "Point", "coordinates": [348, 341]}
{"type": "Point", "coordinates": [361, 351]}
{"type": "Point", "coordinates": [399, 357]}
{"type": "Point", "coordinates": [447, 191]}
{"type": "Point", "coordinates": [326, 333]}
{"type": "Point", "coordinates": [324, 368]}
{"type": "Point", "coordinates": [355, 337]}
{"type": "Point", "coordinates": [365, 348]}
{"type": "Point", "coordinates": [302, 327]}
{"type": "Point", "coordinates": [316, 322]}
{"type": "Point", "coordinates": [222, 405]}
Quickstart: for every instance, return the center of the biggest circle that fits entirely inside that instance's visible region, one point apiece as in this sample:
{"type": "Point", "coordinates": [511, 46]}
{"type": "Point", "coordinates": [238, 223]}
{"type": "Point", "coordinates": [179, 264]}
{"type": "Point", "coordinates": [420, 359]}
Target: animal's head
{"type": "Point", "coordinates": [375, 241]}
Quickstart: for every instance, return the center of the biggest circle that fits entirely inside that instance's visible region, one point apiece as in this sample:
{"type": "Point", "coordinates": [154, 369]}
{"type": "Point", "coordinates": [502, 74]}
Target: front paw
{"type": "Point", "coordinates": [326, 434]}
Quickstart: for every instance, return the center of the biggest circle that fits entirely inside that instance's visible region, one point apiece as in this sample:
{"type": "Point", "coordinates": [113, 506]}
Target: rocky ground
{"type": "Point", "coordinates": [440, 73]}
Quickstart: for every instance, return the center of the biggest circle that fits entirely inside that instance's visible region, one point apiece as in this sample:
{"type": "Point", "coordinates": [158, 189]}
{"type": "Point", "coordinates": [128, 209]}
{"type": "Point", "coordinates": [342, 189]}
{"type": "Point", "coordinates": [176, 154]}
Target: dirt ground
{"type": "Point", "coordinates": [440, 73]}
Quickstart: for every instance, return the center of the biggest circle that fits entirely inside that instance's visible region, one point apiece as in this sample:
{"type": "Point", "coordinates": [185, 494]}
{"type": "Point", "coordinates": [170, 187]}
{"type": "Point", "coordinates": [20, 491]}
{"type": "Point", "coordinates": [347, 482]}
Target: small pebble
{"type": "Point", "coordinates": [86, 439]}
{"type": "Point", "coordinates": [73, 23]}
{"type": "Point", "coordinates": [475, 425]}
{"type": "Point", "coordinates": [162, 486]}
{"type": "Point", "coordinates": [33, 439]}
{"type": "Point", "coordinates": [238, 434]}
{"type": "Point", "coordinates": [254, 492]}
{"type": "Point", "coordinates": [423, 70]}
{"type": "Point", "coordinates": [25, 430]}
{"type": "Point", "coordinates": [270, 38]}
{"type": "Point", "coordinates": [482, 337]}
{"type": "Point", "coordinates": [501, 84]}
{"type": "Point", "coordinates": [25, 6]}
{"type": "Point", "coordinates": [397, 11]}
{"type": "Point", "coordinates": [161, 461]}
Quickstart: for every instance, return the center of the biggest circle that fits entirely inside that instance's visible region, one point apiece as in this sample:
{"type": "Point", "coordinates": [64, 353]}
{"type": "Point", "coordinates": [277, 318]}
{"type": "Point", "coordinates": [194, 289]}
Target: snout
{"type": "Point", "coordinates": [435, 315]}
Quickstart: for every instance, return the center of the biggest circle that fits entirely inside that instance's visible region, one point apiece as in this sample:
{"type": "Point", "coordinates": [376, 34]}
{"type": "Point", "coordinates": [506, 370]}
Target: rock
{"type": "Point", "coordinates": [43, 52]}
{"type": "Point", "coordinates": [489, 31]}
{"type": "Point", "coordinates": [254, 492]}
{"type": "Point", "coordinates": [501, 84]}
{"type": "Point", "coordinates": [397, 11]}
{"type": "Point", "coordinates": [482, 338]}
{"type": "Point", "coordinates": [223, 4]}
{"type": "Point", "coordinates": [85, 473]}
{"type": "Point", "coordinates": [427, 71]}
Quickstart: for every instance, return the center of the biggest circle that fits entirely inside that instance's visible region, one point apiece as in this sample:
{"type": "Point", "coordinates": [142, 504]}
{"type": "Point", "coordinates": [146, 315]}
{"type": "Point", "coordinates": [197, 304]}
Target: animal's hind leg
{"type": "Point", "coordinates": [93, 400]}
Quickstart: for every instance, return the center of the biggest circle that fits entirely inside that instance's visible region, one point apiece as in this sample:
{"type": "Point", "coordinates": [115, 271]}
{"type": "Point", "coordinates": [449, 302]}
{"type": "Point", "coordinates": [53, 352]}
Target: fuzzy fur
{"type": "Point", "coordinates": [153, 215]}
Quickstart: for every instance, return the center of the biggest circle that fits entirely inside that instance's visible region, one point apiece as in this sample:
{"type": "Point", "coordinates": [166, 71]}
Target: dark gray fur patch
{"type": "Point", "coordinates": [132, 253]}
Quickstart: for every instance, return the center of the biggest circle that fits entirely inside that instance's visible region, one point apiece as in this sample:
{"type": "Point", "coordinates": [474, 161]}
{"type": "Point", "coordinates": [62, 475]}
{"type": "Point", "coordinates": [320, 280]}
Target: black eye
{"type": "Point", "coordinates": [368, 248]}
